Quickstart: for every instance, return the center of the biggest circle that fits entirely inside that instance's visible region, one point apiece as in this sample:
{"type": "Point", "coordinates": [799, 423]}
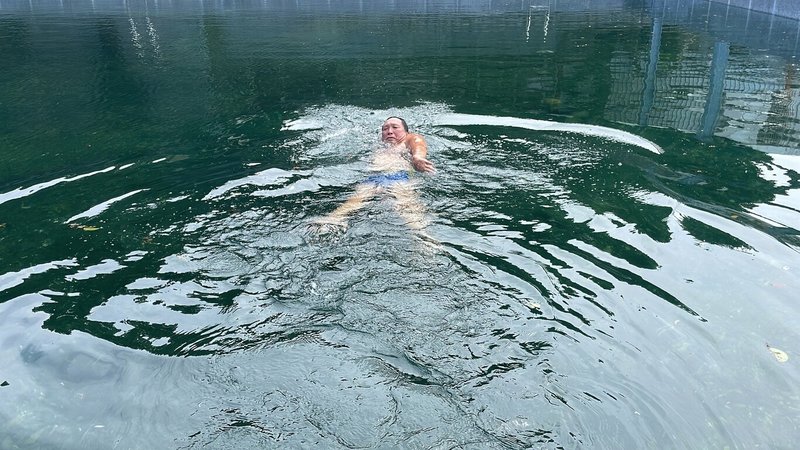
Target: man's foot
{"type": "Point", "coordinates": [428, 243]}
{"type": "Point", "coordinates": [328, 225]}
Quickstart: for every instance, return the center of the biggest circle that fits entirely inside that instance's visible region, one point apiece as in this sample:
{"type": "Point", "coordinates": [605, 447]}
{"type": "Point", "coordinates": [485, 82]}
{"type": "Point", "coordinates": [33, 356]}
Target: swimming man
{"type": "Point", "coordinates": [391, 168]}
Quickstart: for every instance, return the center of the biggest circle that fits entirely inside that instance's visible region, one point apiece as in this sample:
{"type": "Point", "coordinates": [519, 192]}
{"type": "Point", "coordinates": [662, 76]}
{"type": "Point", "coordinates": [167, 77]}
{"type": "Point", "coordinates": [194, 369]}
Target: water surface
{"type": "Point", "coordinates": [622, 278]}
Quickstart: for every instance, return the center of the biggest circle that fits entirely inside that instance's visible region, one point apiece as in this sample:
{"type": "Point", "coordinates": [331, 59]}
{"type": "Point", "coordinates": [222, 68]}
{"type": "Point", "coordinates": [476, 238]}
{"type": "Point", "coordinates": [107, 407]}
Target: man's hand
{"type": "Point", "coordinates": [423, 165]}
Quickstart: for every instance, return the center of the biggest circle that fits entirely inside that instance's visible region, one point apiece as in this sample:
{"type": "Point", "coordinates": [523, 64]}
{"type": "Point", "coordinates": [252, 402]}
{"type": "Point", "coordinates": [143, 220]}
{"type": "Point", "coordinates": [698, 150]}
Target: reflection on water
{"type": "Point", "coordinates": [616, 259]}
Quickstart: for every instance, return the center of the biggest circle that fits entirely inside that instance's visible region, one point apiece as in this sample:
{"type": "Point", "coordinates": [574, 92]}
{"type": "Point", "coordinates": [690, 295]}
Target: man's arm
{"type": "Point", "coordinates": [419, 152]}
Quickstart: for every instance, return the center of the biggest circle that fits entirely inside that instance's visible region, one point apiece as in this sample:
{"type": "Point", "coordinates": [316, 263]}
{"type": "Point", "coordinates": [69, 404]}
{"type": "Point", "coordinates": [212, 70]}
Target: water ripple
{"type": "Point", "coordinates": [585, 303]}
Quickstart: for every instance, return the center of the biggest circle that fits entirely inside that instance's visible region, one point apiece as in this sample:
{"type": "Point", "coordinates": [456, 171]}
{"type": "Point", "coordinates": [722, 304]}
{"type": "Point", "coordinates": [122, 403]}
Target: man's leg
{"type": "Point", "coordinates": [356, 201]}
{"type": "Point", "coordinates": [408, 205]}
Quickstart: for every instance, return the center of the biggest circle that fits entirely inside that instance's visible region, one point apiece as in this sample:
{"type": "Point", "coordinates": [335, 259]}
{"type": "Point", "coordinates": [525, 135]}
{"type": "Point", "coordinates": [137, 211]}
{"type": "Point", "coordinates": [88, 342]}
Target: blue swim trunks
{"type": "Point", "coordinates": [387, 179]}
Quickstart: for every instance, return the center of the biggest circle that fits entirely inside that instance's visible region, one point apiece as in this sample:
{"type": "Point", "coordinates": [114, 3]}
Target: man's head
{"type": "Point", "coordinates": [394, 130]}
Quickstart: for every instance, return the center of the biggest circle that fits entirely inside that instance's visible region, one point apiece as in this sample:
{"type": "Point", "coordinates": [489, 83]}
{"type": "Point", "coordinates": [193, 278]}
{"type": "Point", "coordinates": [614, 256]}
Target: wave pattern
{"type": "Point", "coordinates": [571, 295]}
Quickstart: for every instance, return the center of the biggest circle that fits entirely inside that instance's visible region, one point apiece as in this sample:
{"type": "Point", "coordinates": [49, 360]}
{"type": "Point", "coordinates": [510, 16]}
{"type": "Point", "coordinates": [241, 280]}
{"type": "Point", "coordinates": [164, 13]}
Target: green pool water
{"type": "Point", "coordinates": [610, 261]}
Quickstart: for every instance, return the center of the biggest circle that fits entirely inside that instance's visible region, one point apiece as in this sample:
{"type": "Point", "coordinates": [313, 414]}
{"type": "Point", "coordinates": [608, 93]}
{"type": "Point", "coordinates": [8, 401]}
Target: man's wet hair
{"type": "Point", "coordinates": [403, 121]}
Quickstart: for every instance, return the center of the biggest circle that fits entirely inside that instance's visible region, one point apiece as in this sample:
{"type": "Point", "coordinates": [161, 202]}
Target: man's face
{"type": "Point", "coordinates": [392, 131]}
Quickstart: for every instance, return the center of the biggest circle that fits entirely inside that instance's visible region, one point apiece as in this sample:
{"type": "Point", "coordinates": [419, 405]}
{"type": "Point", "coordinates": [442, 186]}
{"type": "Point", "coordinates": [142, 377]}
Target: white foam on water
{"type": "Point", "coordinates": [343, 122]}
{"type": "Point", "coordinates": [332, 121]}
{"type": "Point", "coordinates": [301, 124]}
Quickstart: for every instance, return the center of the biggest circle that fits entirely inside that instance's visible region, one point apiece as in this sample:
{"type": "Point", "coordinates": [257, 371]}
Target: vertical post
{"type": "Point", "coordinates": [771, 21]}
{"type": "Point", "coordinates": [749, 9]}
{"type": "Point", "coordinates": [716, 87]}
{"type": "Point", "coordinates": [797, 37]}
{"type": "Point", "coordinates": [649, 92]}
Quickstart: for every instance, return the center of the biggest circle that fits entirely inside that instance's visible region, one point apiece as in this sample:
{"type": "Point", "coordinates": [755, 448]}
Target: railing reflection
{"type": "Point", "coordinates": [744, 89]}
{"type": "Point", "coordinates": [719, 62]}
{"type": "Point", "coordinates": [319, 6]}
{"type": "Point", "coordinates": [751, 96]}
{"type": "Point", "coordinates": [650, 76]}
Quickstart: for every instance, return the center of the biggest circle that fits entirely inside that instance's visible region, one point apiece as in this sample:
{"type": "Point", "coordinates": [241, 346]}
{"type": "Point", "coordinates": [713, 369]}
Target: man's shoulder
{"type": "Point", "coordinates": [414, 137]}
